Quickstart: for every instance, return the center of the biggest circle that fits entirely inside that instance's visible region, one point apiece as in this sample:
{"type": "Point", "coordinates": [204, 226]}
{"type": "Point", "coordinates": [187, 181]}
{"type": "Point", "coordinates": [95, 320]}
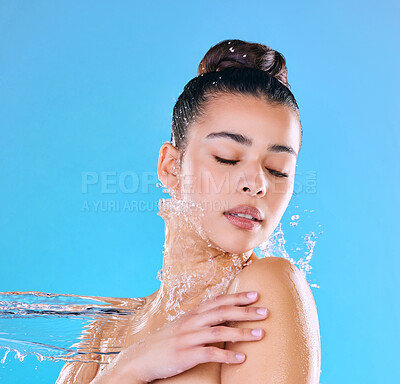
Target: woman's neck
{"type": "Point", "coordinates": [193, 268]}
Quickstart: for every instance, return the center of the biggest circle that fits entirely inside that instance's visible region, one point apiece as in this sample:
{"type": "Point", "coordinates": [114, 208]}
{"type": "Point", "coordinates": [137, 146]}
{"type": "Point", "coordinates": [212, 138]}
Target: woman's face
{"type": "Point", "coordinates": [243, 152]}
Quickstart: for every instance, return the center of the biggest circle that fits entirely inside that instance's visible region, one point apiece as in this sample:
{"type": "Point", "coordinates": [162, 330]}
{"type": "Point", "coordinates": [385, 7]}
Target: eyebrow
{"type": "Point", "coordinates": [244, 140]}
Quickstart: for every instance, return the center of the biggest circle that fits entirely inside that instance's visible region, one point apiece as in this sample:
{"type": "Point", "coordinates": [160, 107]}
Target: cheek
{"type": "Point", "coordinates": [277, 201]}
{"type": "Point", "coordinates": [281, 187]}
{"type": "Point", "coordinates": [201, 181]}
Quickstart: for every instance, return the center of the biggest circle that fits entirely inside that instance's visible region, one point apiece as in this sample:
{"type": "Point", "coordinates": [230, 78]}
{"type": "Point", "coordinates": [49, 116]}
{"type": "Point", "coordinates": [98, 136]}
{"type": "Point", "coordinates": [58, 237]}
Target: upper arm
{"type": "Point", "coordinates": [77, 372]}
{"type": "Point", "coordinates": [289, 352]}
{"type": "Point", "coordinates": [81, 372]}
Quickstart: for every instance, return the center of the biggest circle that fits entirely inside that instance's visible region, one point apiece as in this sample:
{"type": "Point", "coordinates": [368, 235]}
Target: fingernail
{"type": "Point", "coordinates": [262, 311]}
{"type": "Point", "coordinates": [240, 356]}
{"type": "Point", "coordinates": [256, 332]}
{"type": "Point", "coordinates": [252, 295]}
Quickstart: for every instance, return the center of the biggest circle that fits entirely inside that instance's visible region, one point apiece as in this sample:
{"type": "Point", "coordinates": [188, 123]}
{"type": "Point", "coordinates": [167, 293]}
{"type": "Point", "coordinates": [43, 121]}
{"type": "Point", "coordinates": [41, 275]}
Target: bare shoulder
{"type": "Point", "coordinates": [84, 372]}
{"type": "Point", "coordinates": [291, 328]}
{"type": "Point", "coordinates": [267, 272]}
{"type": "Point", "coordinates": [100, 334]}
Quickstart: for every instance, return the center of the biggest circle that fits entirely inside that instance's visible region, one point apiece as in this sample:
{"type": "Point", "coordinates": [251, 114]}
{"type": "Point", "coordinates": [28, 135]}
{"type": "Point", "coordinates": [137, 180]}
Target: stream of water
{"type": "Point", "coordinates": [60, 326]}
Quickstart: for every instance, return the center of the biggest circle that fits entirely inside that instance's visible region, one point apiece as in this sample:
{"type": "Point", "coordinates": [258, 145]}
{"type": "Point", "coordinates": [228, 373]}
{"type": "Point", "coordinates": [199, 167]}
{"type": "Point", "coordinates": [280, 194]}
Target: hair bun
{"type": "Point", "coordinates": [243, 54]}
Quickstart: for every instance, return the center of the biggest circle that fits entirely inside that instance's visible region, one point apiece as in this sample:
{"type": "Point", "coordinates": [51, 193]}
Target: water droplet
{"type": "Point", "coordinates": [3, 360]}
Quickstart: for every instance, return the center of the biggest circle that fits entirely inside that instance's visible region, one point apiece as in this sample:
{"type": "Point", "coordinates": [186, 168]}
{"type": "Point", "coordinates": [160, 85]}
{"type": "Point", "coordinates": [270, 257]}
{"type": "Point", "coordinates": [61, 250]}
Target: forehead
{"type": "Point", "coordinates": [250, 116]}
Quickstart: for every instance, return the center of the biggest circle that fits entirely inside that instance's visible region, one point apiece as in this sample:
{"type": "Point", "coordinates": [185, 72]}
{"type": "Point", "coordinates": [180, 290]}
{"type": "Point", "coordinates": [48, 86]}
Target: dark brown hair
{"type": "Point", "coordinates": [232, 67]}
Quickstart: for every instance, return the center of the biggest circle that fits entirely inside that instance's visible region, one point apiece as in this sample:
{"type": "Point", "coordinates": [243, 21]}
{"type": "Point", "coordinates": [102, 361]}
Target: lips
{"type": "Point", "coordinates": [247, 210]}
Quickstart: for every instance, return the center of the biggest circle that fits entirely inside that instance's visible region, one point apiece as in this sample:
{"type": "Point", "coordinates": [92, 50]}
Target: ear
{"type": "Point", "coordinates": [168, 165]}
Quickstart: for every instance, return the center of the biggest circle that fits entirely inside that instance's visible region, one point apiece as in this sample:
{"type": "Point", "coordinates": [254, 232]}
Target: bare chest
{"type": "Point", "coordinates": [206, 373]}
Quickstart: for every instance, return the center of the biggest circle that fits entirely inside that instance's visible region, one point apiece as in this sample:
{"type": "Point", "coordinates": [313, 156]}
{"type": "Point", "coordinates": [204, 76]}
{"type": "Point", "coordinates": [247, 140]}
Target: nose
{"type": "Point", "coordinates": [254, 184]}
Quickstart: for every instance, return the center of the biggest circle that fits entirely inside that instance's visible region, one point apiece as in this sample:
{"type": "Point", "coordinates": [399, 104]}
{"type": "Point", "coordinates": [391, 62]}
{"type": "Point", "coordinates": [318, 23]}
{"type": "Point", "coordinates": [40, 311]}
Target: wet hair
{"type": "Point", "coordinates": [231, 67]}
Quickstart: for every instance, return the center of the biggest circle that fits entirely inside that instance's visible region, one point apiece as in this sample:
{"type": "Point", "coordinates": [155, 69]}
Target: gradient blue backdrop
{"type": "Point", "coordinates": [90, 86]}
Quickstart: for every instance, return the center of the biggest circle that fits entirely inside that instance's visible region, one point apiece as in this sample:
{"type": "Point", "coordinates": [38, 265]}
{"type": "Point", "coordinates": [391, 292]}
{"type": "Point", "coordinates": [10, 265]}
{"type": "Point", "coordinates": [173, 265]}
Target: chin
{"type": "Point", "coordinates": [232, 244]}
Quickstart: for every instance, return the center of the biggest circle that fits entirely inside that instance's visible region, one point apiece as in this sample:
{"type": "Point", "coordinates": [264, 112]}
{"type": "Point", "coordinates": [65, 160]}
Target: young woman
{"type": "Point", "coordinates": [229, 169]}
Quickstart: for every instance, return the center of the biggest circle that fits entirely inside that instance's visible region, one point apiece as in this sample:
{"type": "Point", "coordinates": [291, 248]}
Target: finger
{"type": "Point", "coordinates": [240, 298]}
{"type": "Point", "coordinates": [225, 313]}
{"type": "Point", "coordinates": [221, 334]}
{"type": "Point", "coordinates": [214, 354]}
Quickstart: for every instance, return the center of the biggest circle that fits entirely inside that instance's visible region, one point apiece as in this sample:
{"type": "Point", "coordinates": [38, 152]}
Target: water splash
{"type": "Point", "coordinates": [70, 328]}
{"type": "Point", "coordinates": [183, 218]}
{"type": "Point", "coordinates": [58, 326]}
{"type": "Point", "coordinates": [275, 244]}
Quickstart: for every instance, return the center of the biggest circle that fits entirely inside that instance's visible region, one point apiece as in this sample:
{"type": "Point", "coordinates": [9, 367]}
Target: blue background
{"type": "Point", "coordinates": [90, 86]}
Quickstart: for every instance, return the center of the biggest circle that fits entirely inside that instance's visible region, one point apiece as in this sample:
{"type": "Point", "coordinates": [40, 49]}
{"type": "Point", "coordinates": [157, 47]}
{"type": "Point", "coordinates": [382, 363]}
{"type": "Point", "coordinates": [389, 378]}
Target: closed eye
{"type": "Point", "coordinates": [224, 161]}
{"type": "Point", "coordinates": [233, 162]}
{"type": "Point", "coordinates": [277, 174]}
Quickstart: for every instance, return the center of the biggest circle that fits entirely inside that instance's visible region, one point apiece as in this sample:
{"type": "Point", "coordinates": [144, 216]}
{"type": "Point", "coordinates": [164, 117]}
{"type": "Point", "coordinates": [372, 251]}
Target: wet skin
{"type": "Point", "coordinates": [289, 353]}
